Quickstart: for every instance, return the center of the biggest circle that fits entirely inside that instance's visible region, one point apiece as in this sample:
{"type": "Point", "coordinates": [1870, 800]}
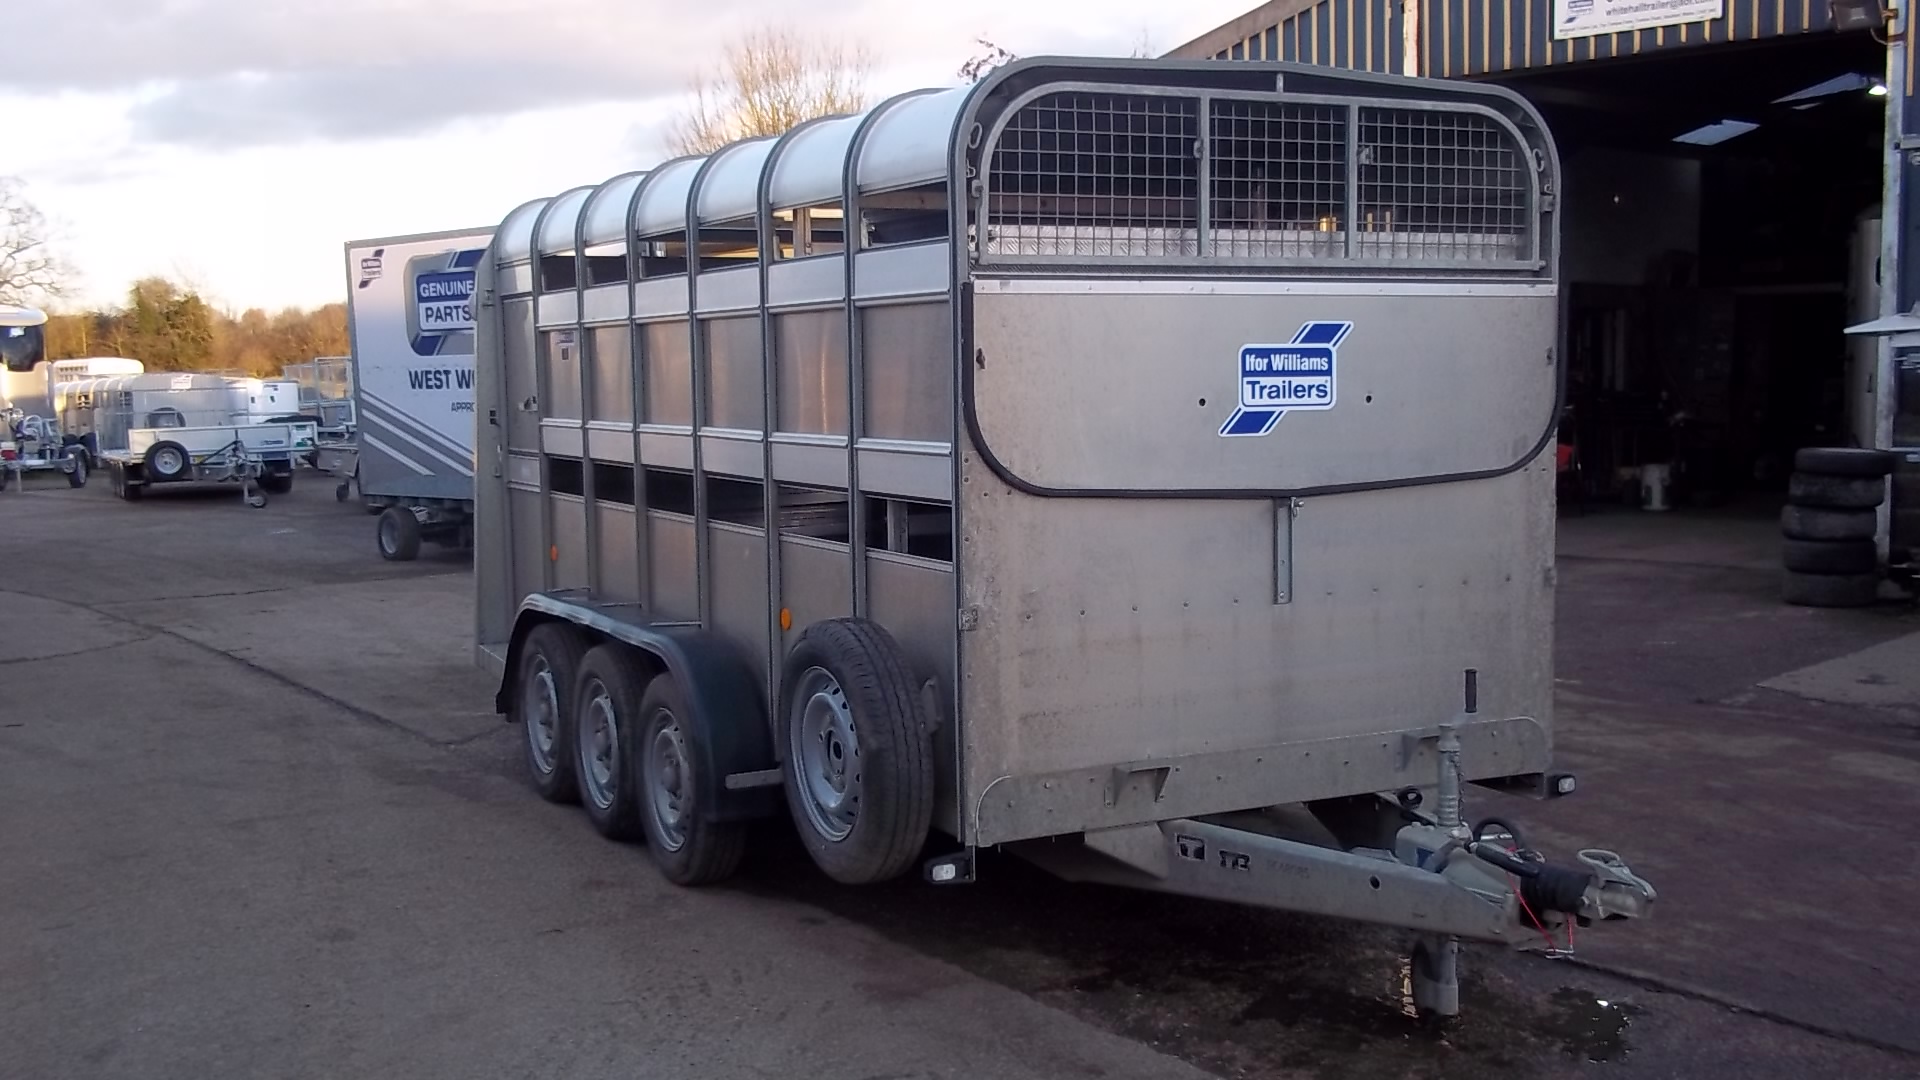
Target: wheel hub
{"type": "Point", "coordinates": [541, 704]}
{"type": "Point", "coordinates": [669, 794]}
{"type": "Point", "coordinates": [601, 741]}
{"type": "Point", "coordinates": [826, 754]}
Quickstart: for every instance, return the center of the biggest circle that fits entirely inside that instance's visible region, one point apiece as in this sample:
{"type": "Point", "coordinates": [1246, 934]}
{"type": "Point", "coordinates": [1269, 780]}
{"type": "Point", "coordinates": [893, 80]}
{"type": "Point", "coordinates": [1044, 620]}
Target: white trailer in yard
{"type": "Point", "coordinates": [410, 325]}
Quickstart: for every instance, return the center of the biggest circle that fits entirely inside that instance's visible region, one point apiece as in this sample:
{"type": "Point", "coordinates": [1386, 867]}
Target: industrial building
{"type": "Point", "coordinates": [1738, 177]}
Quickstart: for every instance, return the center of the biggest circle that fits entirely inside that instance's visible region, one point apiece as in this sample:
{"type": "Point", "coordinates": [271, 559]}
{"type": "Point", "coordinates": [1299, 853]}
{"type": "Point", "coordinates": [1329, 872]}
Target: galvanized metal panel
{"type": "Point", "coordinates": [907, 352]}
{"type": "Point", "coordinates": [529, 555]}
{"type": "Point", "coordinates": [610, 443]}
{"type": "Point", "coordinates": [735, 376]}
{"type": "Point", "coordinates": [560, 390]}
{"type": "Point", "coordinates": [732, 456]}
{"type": "Point", "coordinates": [810, 369]}
{"type": "Point", "coordinates": [819, 280]}
{"type": "Point", "coordinates": [737, 560]}
{"type": "Point", "coordinates": [908, 270]}
{"type": "Point", "coordinates": [914, 470]}
{"type": "Point", "coordinates": [673, 582]}
{"type": "Point", "coordinates": [1431, 382]}
{"type": "Point", "coordinates": [820, 463]}
{"type": "Point", "coordinates": [1117, 631]}
{"type": "Point", "coordinates": [666, 368]}
{"type": "Point", "coordinates": [559, 309]}
{"type": "Point", "coordinates": [913, 599]}
{"type": "Point", "coordinates": [516, 235]}
{"type": "Point", "coordinates": [667, 449]}
{"type": "Point", "coordinates": [569, 550]}
{"type": "Point", "coordinates": [523, 469]}
{"type": "Point", "coordinates": [655, 297]}
{"type": "Point", "coordinates": [610, 351]}
{"type": "Point", "coordinates": [616, 552]}
{"type": "Point", "coordinates": [514, 279]}
{"type": "Point", "coordinates": [729, 290]}
{"type": "Point", "coordinates": [522, 380]}
{"type": "Point", "coordinates": [816, 582]}
{"type": "Point", "coordinates": [604, 303]}
{"type": "Point", "coordinates": [562, 438]}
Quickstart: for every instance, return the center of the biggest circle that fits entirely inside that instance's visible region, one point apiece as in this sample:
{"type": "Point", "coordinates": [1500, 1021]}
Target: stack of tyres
{"type": "Point", "coordinates": [1829, 524]}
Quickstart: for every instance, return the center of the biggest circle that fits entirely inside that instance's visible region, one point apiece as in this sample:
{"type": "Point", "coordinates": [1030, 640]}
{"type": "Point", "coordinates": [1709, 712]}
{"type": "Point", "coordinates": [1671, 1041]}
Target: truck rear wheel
{"type": "Point", "coordinates": [77, 475]}
{"type": "Point", "coordinates": [543, 707]}
{"type": "Point", "coordinates": [857, 751]}
{"type": "Point", "coordinates": [687, 846]}
{"type": "Point", "coordinates": [398, 533]}
{"type": "Point", "coordinates": [606, 704]}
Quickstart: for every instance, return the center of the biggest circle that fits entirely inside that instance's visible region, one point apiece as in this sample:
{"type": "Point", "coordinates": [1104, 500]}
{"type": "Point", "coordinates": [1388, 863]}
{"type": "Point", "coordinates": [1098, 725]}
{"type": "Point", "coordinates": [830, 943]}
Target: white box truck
{"type": "Point", "coordinates": [410, 325]}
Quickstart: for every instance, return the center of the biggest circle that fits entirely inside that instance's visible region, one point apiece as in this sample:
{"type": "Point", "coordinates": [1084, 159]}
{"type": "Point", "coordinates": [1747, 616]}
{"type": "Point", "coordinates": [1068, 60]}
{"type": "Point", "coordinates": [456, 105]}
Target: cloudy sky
{"type": "Point", "coordinates": [236, 144]}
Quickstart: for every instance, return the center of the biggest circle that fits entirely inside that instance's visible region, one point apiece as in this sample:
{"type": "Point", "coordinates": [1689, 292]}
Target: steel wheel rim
{"type": "Point", "coordinates": [540, 701]}
{"type": "Point", "coordinates": [669, 781]}
{"type": "Point", "coordinates": [599, 738]}
{"type": "Point", "coordinates": [389, 534]}
{"type": "Point", "coordinates": [824, 745]}
{"type": "Point", "coordinates": [168, 461]}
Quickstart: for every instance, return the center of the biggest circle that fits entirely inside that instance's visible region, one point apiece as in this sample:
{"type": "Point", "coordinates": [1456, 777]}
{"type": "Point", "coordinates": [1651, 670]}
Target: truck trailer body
{"type": "Point", "coordinates": [1091, 461]}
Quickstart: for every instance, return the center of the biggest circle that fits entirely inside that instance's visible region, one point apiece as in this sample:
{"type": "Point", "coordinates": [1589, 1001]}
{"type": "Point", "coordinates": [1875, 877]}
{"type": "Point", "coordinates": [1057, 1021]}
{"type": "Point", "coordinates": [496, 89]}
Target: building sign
{"type": "Point", "coordinates": [1585, 18]}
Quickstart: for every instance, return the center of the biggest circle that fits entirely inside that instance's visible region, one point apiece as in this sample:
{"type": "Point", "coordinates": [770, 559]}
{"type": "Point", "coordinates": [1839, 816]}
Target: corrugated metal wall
{"type": "Point", "coordinates": [1479, 37]}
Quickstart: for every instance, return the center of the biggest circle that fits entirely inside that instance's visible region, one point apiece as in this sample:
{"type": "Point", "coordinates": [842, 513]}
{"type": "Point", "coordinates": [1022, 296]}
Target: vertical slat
{"type": "Point", "coordinates": [1351, 227]}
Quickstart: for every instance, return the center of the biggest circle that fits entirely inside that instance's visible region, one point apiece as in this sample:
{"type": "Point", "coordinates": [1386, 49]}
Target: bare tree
{"type": "Point", "coordinates": [990, 56]}
{"type": "Point", "coordinates": [29, 270]}
{"type": "Point", "coordinates": [769, 81]}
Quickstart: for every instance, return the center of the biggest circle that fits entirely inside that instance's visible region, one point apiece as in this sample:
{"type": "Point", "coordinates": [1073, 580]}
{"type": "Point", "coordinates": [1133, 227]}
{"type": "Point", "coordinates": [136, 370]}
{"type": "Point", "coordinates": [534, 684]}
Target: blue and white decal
{"type": "Point", "coordinates": [1277, 378]}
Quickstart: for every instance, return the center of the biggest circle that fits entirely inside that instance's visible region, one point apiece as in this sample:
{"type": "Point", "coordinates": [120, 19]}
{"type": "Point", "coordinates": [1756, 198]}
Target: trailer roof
{"type": "Point", "coordinates": [906, 144]}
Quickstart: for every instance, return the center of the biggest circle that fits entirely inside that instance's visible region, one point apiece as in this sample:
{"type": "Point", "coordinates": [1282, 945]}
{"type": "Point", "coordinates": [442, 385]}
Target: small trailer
{"type": "Point", "coordinates": [1142, 467]}
{"type": "Point", "coordinates": [326, 394]}
{"type": "Point", "coordinates": [178, 428]}
{"type": "Point", "coordinates": [32, 438]}
{"type": "Point", "coordinates": [410, 324]}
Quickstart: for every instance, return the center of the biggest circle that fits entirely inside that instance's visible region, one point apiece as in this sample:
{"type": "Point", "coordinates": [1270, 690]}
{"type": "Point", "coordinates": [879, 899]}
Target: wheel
{"type": "Point", "coordinates": [6, 477]}
{"type": "Point", "coordinates": [1835, 492]}
{"type": "Point", "coordinates": [606, 703]}
{"type": "Point", "coordinates": [77, 478]}
{"type": "Point", "coordinates": [277, 483]}
{"type": "Point", "coordinates": [1812, 523]}
{"type": "Point", "coordinates": [688, 848]}
{"type": "Point", "coordinates": [257, 500]}
{"type": "Point", "coordinates": [340, 492]}
{"type": "Point", "coordinates": [1831, 556]}
{"type": "Point", "coordinates": [398, 532]}
{"type": "Point", "coordinates": [858, 751]}
{"type": "Point", "coordinates": [168, 461]}
{"type": "Point", "coordinates": [1830, 590]}
{"type": "Point", "coordinates": [543, 706]}
{"type": "Point", "coordinates": [1843, 461]}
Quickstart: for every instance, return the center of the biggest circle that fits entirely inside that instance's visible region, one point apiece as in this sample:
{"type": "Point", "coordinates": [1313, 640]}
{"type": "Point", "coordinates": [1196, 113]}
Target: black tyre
{"type": "Point", "coordinates": [398, 534]}
{"type": "Point", "coordinates": [1831, 556]}
{"type": "Point", "coordinates": [1812, 523]}
{"type": "Point", "coordinates": [1842, 461]}
{"type": "Point", "coordinates": [543, 707]}
{"type": "Point", "coordinates": [1830, 590]}
{"type": "Point", "coordinates": [277, 483]}
{"type": "Point", "coordinates": [1835, 492]}
{"type": "Point", "coordinates": [77, 478]}
{"type": "Point", "coordinates": [606, 712]}
{"type": "Point", "coordinates": [168, 461]}
{"type": "Point", "coordinates": [857, 751]}
{"type": "Point", "coordinates": [340, 492]}
{"type": "Point", "coordinates": [688, 848]}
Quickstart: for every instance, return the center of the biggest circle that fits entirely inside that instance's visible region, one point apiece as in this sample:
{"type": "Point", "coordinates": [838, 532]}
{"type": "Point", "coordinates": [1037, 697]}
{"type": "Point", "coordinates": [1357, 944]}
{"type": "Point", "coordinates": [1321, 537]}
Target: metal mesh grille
{"type": "Point", "coordinates": [1279, 179]}
{"type": "Point", "coordinates": [1085, 175]}
{"type": "Point", "coordinates": [1100, 175]}
{"type": "Point", "coordinates": [1440, 185]}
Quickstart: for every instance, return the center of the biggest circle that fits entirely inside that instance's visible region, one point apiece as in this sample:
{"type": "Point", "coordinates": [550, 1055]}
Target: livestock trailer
{"type": "Point", "coordinates": [1143, 467]}
{"type": "Point", "coordinates": [187, 427]}
{"type": "Point", "coordinates": [410, 329]}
